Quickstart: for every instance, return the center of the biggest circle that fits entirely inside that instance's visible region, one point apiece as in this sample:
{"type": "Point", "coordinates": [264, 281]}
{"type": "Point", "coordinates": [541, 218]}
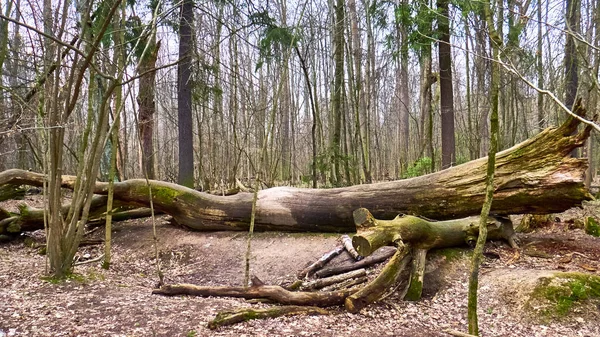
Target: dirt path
{"type": "Point", "coordinates": [118, 302]}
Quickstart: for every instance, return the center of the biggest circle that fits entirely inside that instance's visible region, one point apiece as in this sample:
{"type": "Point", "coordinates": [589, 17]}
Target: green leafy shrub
{"type": "Point", "coordinates": [420, 167]}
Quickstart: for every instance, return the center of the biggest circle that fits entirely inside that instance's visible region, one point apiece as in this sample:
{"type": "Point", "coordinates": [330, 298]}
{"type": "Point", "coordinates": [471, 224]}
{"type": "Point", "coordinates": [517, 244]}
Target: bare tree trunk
{"type": "Point", "coordinates": [402, 81]}
{"type": "Point", "coordinates": [446, 92]}
{"type": "Point", "coordinates": [573, 10]}
{"type": "Point", "coordinates": [360, 102]}
{"type": "Point", "coordinates": [540, 70]}
{"type": "Point", "coordinates": [147, 105]}
{"type": "Point", "coordinates": [184, 97]}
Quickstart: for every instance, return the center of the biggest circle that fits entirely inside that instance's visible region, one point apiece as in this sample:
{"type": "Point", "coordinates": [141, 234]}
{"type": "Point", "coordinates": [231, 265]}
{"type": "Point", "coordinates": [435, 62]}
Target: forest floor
{"type": "Point", "coordinates": [118, 302]}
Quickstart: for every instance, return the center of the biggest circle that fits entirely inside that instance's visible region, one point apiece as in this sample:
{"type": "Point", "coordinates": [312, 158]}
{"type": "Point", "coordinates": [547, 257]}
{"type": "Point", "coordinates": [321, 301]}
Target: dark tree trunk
{"type": "Point", "coordinates": [147, 104]}
{"type": "Point", "coordinates": [446, 94]}
{"type": "Point", "coordinates": [184, 96]}
{"type": "Point", "coordinates": [338, 86]}
{"type": "Point", "coordinates": [571, 67]}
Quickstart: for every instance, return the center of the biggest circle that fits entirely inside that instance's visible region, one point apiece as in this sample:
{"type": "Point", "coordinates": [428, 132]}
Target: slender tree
{"type": "Point", "coordinates": [496, 44]}
{"type": "Point", "coordinates": [338, 87]}
{"type": "Point", "coordinates": [540, 68]}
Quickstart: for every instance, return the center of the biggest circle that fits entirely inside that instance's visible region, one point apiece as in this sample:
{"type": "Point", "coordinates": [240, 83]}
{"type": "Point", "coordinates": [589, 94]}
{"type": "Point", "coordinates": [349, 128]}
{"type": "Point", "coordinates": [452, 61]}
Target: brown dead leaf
{"type": "Point", "coordinates": [587, 267]}
{"type": "Point", "coordinates": [566, 259]}
{"type": "Point", "coordinates": [515, 257]}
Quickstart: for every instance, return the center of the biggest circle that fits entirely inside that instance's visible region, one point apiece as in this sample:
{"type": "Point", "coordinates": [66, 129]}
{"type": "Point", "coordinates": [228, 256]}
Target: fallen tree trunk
{"type": "Point", "coordinates": [273, 293]}
{"type": "Point", "coordinates": [535, 176]}
{"type": "Point", "coordinates": [31, 218]}
{"type": "Point", "coordinates": [414, 237]}
{"type": "Point", "coordinates": [242, 315]}
{"type": "Point", "coordinates": [424, 234]}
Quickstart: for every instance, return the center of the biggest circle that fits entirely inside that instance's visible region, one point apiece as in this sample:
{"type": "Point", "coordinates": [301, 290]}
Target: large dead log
{"type": "Point", "coordinates": [31, 218]}
{"type": "Point", "coordinates": [424, 234]}
{"type": "Point", "coordinates": [418, 235]}
{"type": "Point", "coordinates": [273, 293]}
{"type": "Point", "coordinates": [242, 315]}
{"type": "Point", "coordinates": [535, 176]}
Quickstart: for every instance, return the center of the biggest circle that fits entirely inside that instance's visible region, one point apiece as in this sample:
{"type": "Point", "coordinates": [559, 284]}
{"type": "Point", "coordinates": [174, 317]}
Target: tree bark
{"type": "Point", "coordinates": [147, 86]}
{"type": "Point", "coordinates": [446, 92]}
{"type": "Point", "coordinates": [336, 100]}
{"type": "Point", "coordinates": [533, 177]}
{"type": "Point", "coordinates": [242, 315]}
{"type": "Point", "coordinates": [270, 292]}
{"type": "Point", "coordinates": [387, 278]}
{"type": "Point", "coordinates": [184, 96]}
{"type": "Point", "coordinates": [379, 256]}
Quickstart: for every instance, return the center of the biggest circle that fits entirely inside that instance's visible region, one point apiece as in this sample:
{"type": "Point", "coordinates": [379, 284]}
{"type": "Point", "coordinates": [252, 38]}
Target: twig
{"type": "Point", "coordinates": [97, 259]}
{"type": "Point", "coordinates": [458, 333]}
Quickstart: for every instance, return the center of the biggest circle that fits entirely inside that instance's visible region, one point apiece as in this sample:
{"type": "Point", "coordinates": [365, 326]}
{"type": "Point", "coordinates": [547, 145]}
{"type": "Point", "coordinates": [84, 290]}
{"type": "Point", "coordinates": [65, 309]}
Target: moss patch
{"type": "Point", "coordinates": [591, 226]}
{"type": "Point", "coordinates": [561, 294]}
{"type": "Point", "coordinates": [452, 254]}
{"type": "Point", "coordinates": [76, 277]}
{"type": "Point", "coordinates": [165, 193]}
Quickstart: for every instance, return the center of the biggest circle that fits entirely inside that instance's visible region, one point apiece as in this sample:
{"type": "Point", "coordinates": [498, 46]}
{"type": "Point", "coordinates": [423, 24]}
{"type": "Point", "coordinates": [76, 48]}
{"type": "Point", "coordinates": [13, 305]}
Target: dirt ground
{"type": "Point", "coordinates": [118, 302]}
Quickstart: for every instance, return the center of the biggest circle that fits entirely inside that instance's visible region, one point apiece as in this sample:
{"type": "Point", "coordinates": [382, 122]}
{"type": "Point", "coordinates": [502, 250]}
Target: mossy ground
{"type": "Point", "coordinates": [565, 292]}
{"type": "Point", "coordinates": [452, 254]}
{"type": "Point", "coordinates": [76, 277]}
{"type": "Point", "coordinates": [592, 227]}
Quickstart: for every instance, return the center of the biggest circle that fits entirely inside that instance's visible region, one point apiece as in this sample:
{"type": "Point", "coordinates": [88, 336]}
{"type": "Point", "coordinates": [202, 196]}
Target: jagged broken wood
{"type": "Point", "coordinates": [386, 279]}
{"type": "Point", "coordinates": [419, 235]}
{"type": "Point", "coordinates": [306, 272]}
{"type": "Point", "coordinates": [537, 176]}
{"type": "Point", "coordinates": [347, 242]}
{"type": "Point", "coordinates": [379, 256]}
